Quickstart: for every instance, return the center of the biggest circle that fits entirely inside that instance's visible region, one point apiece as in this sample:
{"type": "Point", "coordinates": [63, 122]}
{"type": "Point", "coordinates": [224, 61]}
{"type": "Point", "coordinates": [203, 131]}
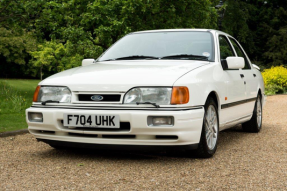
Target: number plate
{"type": "Point", "coordinates": [106, 121]}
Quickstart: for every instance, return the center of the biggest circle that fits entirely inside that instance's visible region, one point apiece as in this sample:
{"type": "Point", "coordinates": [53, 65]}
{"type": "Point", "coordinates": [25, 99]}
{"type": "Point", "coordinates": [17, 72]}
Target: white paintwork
{"type": "Point", "coordinates": [235, 62]}
{"type": "Point", "coordinates": [87, 62]}
{"type": "Point", "coordinates": [255, 66]}
{"type": "Point", "coordinates": [117, 77]}
{"type": "Point", "coordinates": [123, 75]}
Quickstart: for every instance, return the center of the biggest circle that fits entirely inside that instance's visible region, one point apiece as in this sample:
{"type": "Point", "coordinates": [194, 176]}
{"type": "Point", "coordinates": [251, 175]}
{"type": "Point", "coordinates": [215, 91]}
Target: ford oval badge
{"type": "Point", "coordinates": [97, 98]}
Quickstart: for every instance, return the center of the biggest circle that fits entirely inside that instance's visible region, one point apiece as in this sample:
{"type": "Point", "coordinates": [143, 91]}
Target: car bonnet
{"type": "Point", "coordinates": [123, 75]}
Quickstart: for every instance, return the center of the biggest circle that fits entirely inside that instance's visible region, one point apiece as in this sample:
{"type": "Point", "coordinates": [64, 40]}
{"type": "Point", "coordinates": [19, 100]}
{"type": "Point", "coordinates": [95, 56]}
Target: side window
{"type": "Point", "coordinates": [240, 53]}
{"type": "Point", "coordinates": [225, 48]}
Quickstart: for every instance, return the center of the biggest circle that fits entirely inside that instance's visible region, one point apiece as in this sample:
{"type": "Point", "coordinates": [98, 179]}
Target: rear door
{"type": "Point", "coordinates": [250, 77]}
{"type": "Point", "coordinates": [231, 109]}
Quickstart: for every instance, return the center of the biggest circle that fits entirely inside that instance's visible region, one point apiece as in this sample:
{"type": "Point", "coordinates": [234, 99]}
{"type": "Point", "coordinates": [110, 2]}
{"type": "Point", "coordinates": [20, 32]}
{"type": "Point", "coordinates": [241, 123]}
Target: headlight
{"type": "Point", "coordinates": [156, 95]}
{"type": "Point", "coordinates": [61, 94]}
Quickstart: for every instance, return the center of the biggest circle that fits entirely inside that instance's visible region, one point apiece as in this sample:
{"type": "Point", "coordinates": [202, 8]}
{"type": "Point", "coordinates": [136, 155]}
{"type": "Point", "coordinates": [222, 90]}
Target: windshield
{"type": "Point", "coordinates": [162, 45]}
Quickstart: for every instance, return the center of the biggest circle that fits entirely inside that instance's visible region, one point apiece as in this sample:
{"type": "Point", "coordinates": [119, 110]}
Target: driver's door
{"type": "Point", "coordinates": [231, 109]}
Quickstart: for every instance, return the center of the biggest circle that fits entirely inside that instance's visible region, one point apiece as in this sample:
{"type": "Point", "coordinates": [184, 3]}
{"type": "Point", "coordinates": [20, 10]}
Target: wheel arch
{"type": "Point", "coordinates": [259, 93]}
{"type": "Point", "coordinates": [262, 97]}
{"type": "Point", "coordinates": [215, 97]}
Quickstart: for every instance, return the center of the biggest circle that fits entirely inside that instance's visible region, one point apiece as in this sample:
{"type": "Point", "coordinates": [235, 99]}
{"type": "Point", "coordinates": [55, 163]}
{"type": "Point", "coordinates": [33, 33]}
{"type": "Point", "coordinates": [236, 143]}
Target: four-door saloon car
{"type": "Point", "coordinates": [152, 89]}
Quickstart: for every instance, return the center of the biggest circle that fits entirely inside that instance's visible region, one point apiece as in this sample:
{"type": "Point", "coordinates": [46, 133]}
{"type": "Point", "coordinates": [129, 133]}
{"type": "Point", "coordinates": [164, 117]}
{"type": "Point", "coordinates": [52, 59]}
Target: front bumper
{"type": "Point", "coordinates": [185, 131]}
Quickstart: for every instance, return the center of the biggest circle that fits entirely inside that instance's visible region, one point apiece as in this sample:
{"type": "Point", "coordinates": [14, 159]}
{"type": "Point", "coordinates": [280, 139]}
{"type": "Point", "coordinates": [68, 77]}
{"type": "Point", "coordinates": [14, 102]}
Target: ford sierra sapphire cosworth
{"type": "Point", "coordinates": [152, 89]}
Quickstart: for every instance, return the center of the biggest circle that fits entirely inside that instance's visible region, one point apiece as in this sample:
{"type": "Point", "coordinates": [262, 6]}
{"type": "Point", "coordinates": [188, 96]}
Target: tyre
{"type": "Point", "coordinates": [255, 123]}
{"type": "Point", "coordinates": [209, 134]}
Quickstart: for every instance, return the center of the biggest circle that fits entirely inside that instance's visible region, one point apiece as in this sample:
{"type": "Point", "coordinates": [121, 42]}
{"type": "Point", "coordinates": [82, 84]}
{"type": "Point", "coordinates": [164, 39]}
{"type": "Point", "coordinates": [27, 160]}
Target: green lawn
{"type": "Point", "coordinates": [15, 97]}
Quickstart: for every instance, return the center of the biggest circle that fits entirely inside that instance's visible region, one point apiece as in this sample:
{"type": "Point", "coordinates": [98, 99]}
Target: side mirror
{"type": "Point", "coordinates": [235, 62]}
{"type": "Point", "coordinates": [255, 66]}
{"type": "Point", "coordinates": [87, 62]}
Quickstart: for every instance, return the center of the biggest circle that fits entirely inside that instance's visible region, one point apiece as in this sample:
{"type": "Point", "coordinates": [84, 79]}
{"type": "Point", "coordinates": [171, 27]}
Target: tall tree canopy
{"type": "Point", "coordinates": [261, 26]}
{"type": "Point", "coordinates": [91, 26]}
{"type": "Point", "coordinates": [33, 29]}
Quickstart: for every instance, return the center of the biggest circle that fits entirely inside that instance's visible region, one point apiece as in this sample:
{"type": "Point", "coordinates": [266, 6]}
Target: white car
{"type": "Point", "coordinates": [152, 89]}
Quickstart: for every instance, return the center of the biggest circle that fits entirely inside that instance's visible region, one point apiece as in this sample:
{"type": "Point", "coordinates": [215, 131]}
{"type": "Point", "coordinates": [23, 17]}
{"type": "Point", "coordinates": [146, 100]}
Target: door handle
{"type": "Point", "coordinates": [254, 75]}
{"type": "Point", "coordinates": [242, 76]}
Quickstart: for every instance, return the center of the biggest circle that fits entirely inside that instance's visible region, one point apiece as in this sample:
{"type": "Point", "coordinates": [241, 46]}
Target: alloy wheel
{"type": "Point", "coordinates": [211, 127]}
{"type": "Point", "coordinates": [259, 112]}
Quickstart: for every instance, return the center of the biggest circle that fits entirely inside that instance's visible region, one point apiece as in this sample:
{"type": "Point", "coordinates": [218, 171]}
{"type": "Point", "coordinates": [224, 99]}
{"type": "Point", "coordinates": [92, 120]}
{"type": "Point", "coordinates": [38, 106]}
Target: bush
{"type": "Point", "coordinates": [275, 80]}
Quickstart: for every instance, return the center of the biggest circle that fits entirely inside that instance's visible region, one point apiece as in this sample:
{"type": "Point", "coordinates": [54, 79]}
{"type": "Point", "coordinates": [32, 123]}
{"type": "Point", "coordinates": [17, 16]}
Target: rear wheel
{"type": "Point", "coordinates": [209, 134]}
{"type": "Point", "coordinates": [255, 123]}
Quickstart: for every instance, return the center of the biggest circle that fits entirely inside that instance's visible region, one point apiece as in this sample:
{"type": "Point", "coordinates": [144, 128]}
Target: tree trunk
{"type": "Point", "coordinates": [41, 75]}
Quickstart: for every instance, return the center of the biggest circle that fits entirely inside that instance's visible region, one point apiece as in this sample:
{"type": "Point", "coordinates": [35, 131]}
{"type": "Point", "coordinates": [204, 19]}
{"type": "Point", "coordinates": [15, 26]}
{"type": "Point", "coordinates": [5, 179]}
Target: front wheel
{"type": "Point", "coordinates": [209, 135]}
{"type": "Point", "coordinates": [255, 123]}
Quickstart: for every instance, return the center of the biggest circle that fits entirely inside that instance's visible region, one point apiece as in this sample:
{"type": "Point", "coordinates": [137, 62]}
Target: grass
{"type": "Point", "coordinates": [15, 97]}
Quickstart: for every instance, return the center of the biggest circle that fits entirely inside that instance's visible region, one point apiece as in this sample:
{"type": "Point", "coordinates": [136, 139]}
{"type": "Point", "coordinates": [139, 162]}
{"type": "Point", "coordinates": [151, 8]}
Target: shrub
{"type": "Point", "coordinates": [275, 80]}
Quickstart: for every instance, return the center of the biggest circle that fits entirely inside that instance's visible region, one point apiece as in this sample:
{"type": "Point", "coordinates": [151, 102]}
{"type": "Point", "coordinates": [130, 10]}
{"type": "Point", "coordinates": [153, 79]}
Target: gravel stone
{"type": "Point", "coordinates": [243, 161]}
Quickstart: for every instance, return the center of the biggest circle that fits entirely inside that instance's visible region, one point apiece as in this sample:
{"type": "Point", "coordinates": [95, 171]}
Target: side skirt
{"type": "Point", "coordinates": [234, 122]}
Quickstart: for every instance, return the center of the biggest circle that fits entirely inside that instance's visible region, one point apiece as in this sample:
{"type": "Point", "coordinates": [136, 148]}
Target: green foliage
{"type": "Point", "coordinates": [104, 22]}
{"type": "Point", "coordinates": [74, 29]}
{"type": "Point", "coordinates": [69, 30]}
{"type": "Point", "coordinates": [275, 80]}
{"type": "Point", "coordinates": [277, 44]}
{"type": "Point", "coordinates": [275, 89]}
{"type": "Point", "coordinates": [55, 56]}
{"type": "Point", "coordinates": [235, 19]}
{"type": "Point", "coordinates": [14, 46]}
{"type": "Point", "coordinates": [15, 97]}
{"type": "Point", "coordinates": [261, 27]}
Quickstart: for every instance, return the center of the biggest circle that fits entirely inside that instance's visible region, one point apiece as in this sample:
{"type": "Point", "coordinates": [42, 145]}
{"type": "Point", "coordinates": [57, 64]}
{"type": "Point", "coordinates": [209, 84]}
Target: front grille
{"type": "Point", "coordinates": [119, 136]}
{"type": "Point", "coordinates": [43, 132]}
{"type": "Point", "coordinates": [83, 135]}
{"type": "Point", "coordinates": [106, 97]}
{"type": "Point", "coordinates": [124, 126]}
{"type": "Point", "coordinates": [168, 137]}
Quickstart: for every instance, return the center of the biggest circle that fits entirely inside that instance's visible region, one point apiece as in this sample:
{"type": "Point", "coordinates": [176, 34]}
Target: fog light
{"type": "Point", "coordinates": [35, 117]}
{"type": "Point", "coordinates": [160, 121]}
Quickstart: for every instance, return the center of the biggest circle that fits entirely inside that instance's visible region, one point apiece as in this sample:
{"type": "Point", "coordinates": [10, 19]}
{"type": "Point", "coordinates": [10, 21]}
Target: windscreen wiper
{"type": "Point", "coordinates": [154, 104]}
{"type": "Point", "coordinates": [185, 56]}
{"type": "Point", "coordinates": [49, 101]}
{"type": "Point", "coordinates": [133, 57]}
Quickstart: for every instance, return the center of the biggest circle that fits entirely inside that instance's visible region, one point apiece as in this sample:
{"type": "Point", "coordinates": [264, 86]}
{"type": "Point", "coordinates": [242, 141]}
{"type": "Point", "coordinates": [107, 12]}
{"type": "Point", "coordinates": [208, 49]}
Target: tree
{"type": "Point", "coordinates": [276, 45]}
{"type": "Point", "coordinates": [103, 22]}
{"type": "Point", "coordinates": [54, 57]}
{"type": "Point", "coordinates": [260, 26]}
{"type": "Point", "coordinates": [89, 27]}
{"type": "Point", "coordinates": [20, 14]}
{"type": "Point", "coordinates": [15, 45]}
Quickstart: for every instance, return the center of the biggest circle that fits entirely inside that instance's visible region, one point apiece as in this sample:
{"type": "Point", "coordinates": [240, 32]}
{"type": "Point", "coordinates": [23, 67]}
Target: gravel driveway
{"type": "Point", "coordinates": [244, 161]}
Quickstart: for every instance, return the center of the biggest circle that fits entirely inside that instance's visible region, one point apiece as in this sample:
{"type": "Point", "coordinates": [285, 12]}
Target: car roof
{"type": "Point", "coordinates": [180, 30]}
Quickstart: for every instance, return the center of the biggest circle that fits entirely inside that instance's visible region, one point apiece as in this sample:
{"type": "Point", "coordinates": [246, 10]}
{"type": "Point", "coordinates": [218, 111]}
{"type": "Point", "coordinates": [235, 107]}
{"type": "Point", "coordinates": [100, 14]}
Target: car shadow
{"type": "Point", "coordinates": [226, 137]}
